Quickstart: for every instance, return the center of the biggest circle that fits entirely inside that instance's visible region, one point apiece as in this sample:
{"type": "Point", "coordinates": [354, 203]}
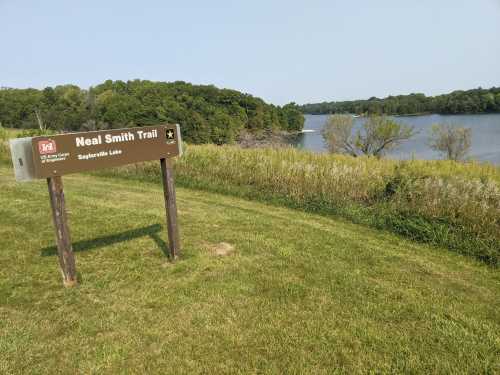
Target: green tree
{"type": "Point", "coordinates": [206, 113]}
{"type": "Point", "coordinates": [377, 135]}
{"type": "Point", "coordinates": [293, 117]}
{"type": "Point", "coordinates": [452, 141]}
{"type": "Point", "coordinates": [471, 101]}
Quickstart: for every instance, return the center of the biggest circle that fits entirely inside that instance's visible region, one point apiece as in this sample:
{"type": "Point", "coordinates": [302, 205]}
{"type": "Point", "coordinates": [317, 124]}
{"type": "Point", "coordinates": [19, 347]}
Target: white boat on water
{"type": "Point", "coordinates": [308, 131]}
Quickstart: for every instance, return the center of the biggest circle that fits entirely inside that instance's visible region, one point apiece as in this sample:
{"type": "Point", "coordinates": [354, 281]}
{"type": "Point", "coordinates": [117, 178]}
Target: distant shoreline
{"type": "Point", "coordinates": [472, 101]}
{"type": "Point", "coordinates": [408, 114]}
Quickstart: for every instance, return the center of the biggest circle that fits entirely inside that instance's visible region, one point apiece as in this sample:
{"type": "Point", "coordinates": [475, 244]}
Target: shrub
{"type": "Point", "coordinates": [452, 141]}
{"type": "Point", "coordinates": [377, 135]}
{"type": "Point", "coordinates": [34, 133]}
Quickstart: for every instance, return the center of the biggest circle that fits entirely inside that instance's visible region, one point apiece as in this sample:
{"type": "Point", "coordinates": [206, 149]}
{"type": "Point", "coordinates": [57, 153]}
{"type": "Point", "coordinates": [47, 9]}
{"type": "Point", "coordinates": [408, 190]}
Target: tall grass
{"type": "Point", "coordinates": [456, 205]}
{"type": "Point", "coordinates": [4, 144]}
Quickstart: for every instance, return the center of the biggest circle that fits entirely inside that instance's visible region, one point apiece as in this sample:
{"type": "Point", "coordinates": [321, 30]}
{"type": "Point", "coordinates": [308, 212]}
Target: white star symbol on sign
{"type": "Point", "coordinates": [170, 134]}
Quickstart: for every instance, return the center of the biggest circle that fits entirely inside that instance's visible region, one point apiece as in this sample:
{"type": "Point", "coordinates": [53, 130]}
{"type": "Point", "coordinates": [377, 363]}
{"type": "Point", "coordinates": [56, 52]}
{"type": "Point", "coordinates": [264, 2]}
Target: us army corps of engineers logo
{"type": "Point", "coordinates": [47, 147]}
{"type": "Point", "coordinates": [48, 152]}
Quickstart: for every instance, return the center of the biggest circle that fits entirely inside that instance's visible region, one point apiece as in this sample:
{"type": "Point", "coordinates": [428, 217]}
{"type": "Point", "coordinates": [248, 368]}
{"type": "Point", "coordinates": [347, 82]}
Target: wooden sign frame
{"type": "Point", "coordinates": [51, 157]}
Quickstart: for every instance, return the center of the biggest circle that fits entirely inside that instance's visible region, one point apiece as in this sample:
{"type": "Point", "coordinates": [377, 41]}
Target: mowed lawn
{"type": "Point", "coordinates": [291, 292]}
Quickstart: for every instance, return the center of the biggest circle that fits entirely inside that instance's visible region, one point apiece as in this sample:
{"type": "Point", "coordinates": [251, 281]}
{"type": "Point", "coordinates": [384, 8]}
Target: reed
{"type": "Point", "coordinates": [452, 204]}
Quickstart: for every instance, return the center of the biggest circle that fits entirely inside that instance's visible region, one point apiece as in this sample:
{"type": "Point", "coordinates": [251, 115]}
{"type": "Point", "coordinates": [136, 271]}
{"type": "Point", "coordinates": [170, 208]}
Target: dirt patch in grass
{"type": "Point", "coordinates": [221, 249]}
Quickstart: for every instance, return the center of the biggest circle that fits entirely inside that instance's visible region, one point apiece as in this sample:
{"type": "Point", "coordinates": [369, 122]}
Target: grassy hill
{"type": "Point", "coordinates": [258, 289]}
{"type": "Point", "coordinates": [442, 202]}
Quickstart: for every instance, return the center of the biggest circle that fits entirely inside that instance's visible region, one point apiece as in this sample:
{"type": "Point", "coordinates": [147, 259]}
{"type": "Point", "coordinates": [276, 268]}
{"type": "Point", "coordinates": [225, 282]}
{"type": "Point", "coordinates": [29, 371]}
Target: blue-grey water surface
{"type": "Point", "coordinates": [485, 135]}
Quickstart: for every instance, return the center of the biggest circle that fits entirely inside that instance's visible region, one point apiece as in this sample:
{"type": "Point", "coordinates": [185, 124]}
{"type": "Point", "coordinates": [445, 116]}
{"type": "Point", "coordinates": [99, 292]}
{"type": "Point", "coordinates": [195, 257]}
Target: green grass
{"type": "Point", "coordinates": [450, 204]}
{"type": "Point", "coordinates": [445, 203]}
{"type": "Point", "coordinates": [301, 293]}
{"type": "Point", "coordinates": [11, 133]}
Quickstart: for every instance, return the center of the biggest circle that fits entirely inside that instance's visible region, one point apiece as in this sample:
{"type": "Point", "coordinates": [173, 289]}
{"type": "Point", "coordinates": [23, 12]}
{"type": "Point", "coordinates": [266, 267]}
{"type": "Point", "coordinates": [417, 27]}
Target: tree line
{"type": "Point", "coordinates": [207, 114]}
{"type": "Point", "coordinates": [471, 101]}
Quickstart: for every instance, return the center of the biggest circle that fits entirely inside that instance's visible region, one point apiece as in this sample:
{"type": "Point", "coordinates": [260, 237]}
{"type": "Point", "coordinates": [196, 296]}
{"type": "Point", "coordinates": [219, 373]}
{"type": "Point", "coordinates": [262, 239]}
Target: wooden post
{"type": "Point", "coordinates": [64, 248]}
{"type": "Point", "coordinates": [170, 207]}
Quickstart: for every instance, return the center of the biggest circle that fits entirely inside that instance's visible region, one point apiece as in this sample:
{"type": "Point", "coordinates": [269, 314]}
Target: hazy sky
{"type": "Point", "coordinates": [282, 51]}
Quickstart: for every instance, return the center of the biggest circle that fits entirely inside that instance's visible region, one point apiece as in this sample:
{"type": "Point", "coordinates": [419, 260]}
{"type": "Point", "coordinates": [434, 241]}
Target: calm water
{"type": "Point", "coordinates": [485, 135]}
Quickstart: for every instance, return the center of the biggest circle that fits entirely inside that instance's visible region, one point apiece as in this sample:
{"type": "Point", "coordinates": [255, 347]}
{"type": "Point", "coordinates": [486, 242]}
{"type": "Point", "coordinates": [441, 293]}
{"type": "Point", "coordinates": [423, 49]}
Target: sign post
{"type": "Point", "coordinates": [63, 238]}
{"type": "Point", "coordinates": [50, 157]}
{"type": "Point", "coordinates": [167, 173]}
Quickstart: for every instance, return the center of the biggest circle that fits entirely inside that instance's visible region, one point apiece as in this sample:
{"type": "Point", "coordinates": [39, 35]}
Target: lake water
{"type": "Point", "coordinates": [485, 135]}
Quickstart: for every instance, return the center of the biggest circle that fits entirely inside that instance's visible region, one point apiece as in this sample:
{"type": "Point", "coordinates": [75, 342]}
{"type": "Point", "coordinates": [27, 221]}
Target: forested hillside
{"type": "Point", "coordinates": [207, 114]}
{"type": "Point", "coordinates": [470, 101]}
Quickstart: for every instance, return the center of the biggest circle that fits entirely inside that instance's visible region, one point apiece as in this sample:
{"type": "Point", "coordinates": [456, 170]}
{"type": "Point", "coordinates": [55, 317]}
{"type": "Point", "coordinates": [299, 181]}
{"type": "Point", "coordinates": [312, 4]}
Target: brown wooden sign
{"type": "Point", "coordinates": [77, 152]}
{"type": "Point", "coordinates": [54, 156]}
